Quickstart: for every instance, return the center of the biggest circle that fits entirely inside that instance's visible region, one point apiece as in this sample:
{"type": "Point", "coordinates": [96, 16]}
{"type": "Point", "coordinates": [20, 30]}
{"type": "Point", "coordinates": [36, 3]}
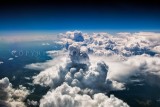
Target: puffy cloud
{"type": "Point", "coordinates": [145, 64]}
{"type": "Point", "coordinates": [44, 44]}
{"type": "Point", "coordinates": [68, 96]}
{"type": "Point", "coordinates": [32, 103]}
{"type": "Point", "coordinates": [56, 55]}
{"type": "Point", "coordinates": [76, 36]}
{"type": "Point", "coordinates": [77, 70]}
{"type": "Point", "coordinates": [125, 43]}
{"type": "Point", "coordinates": [10, 59]}
{"type": "Point", "coordinates": [78, 55]}
{"type": "Point", "coordinates": [78, 73]}
{"type": "Point", "coordinates": [151, 36]}
{"type": "Point", "coordinates": [12, 97]}
{"type": "Point", "coordinates": [1, 62]}
{"type": "Point", "coordinates": [4, 83]}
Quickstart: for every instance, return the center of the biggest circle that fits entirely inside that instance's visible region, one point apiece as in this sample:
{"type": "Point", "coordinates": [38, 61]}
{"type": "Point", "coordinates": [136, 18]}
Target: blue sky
{"type": "Point", "coordinates": [79, 16]}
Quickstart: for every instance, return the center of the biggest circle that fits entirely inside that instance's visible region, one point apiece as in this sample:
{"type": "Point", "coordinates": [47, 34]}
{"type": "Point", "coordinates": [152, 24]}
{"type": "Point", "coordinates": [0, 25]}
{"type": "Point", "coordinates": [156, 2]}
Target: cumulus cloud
{"type": "Point", "coordinates": [67, 96]}
{"type": "Point", "coordinates": [121, 70]}
{"type": "Point", "coordinates": [56, 55]}
{"type": "Point", "coordinates": [32, 103]}
{"type": "Point", "coordinates": [76, 70]}
{"type": "Point", "coordinates": [45, 44]}
{"type": "Point", "coordinates": [76, 36]}
{"type": "Point", "coordinates": [145, 64]}
{"type": "Point", "coordinates": [1, 62]}
{"type": "Point", "coordinates": [12, 97]}
{"type": "Point", "coordinates": [10, 59]}
{"type": "Point", "coordinates": [152, 36]}
{"type": "Point", "coordinates": [124, 43]}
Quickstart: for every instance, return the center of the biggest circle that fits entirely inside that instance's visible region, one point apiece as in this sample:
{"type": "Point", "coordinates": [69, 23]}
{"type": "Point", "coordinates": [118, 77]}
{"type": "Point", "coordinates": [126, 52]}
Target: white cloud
{"type": "Point", "coordinates": [56, 55]}
{"type": "Point", "coordinates": [4, 83]}
{"type": "Point", "coordinates": [1, 62]}
{"type": "Point", "coordinates": [76, 36]}
{"type": "Point", "coordinates": [44, 44]}
{"type": "Point", "coordinates": [27, 78]}
{"type": "Point", "coordinates": [67, 96]}
{"type": "Point", "coordinates": [13, 97]}
{"type": "Point", "coordinates": [22, 36]}
{"type": "Point", "coordinates": [10, 59]}
{"type": "Point", "coordinates": [126, 44]}
{"type": "Point", "coordinates": [32, 103]}
{"type": "Point", "coordinates": [76, 70]}
{"type": "Point", "coordinates": [145, 64]}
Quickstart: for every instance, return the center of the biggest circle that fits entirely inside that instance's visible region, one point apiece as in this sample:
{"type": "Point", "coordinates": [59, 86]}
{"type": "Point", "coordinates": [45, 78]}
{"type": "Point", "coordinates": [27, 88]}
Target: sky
{"type": "Point", "coordinates": [81, 15]}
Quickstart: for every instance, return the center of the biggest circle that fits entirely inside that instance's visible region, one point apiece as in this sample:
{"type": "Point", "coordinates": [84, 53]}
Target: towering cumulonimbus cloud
{"type": "Point", "coordinates": [78, 79]}
{"type": "Point", "coordinates": [78, 55]}
{"type": "Point", "coordinates": [78, 71]}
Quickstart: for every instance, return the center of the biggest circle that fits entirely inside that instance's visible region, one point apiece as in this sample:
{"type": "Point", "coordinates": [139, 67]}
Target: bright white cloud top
{"type": "Point", "coordinates": [10, 59]}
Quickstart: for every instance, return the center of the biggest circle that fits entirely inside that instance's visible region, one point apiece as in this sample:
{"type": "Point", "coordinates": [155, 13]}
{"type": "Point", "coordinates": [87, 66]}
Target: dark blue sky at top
{"type": "Point", "coordinates": [70, 16]}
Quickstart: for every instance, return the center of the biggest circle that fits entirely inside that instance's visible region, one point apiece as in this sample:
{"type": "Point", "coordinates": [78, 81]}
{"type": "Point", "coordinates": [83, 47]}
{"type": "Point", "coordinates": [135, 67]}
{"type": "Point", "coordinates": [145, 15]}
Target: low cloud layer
{"type": "Point", "coordinates": [24, 36]}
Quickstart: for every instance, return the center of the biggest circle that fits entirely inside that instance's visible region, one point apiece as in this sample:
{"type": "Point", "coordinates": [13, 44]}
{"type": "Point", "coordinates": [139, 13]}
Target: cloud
{"type": "Point", "coordinates": [56, 55]}
{"type": "Point", "coordinates": [1, 62]}
{"type": "Point", "coordinates": [22, 36]}
{"type": "Point", "coordinates": [76, 70]}
{"type": "Point", "coordinates": [44, 44]}
{"type": "Point", "coordinates": [10, 59]}
{"type": "Point", "coordinates": [12, 97]}
{"type": "Point", "coordinates": [122, 70]}
{"type": "Point", "coordinates": [67, 96]}
{"type": "Point", "coordinates": [4, 83]}
{"type": "Point", "coordinates": [146, 64]}
{"type": "Point", "coordinates": [151, 36]}
{"type": "Point", "coordinates": [125, 44]}
{"type": "Point", "coordinates": [32, 103]}
{"type": "Point", "coordinates": [76, 36]}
